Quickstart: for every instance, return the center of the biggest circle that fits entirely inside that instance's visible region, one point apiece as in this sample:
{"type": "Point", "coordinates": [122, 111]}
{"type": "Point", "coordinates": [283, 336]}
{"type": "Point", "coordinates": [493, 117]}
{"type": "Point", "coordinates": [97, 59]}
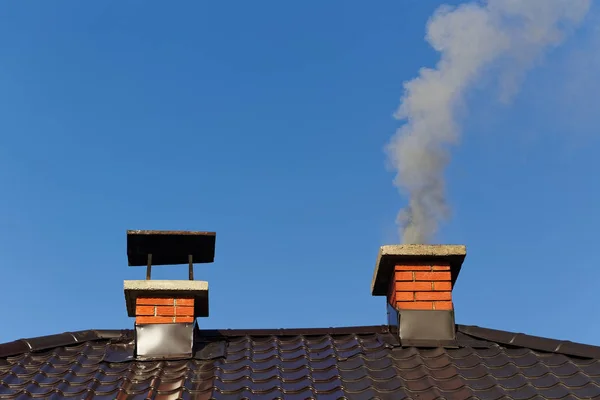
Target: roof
{"type": "Point", "coordinates": [353, 363]}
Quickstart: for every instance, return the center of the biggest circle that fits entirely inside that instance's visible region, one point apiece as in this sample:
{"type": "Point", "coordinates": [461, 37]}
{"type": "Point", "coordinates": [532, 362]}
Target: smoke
{"type": "Point", "coordinates": [503, 37]}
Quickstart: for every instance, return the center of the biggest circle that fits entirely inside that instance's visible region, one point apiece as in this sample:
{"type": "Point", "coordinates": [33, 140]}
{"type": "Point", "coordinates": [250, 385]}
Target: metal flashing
{"type": "Point", "coordinates": [164, 341]}
{"type": "Point", "coordinates": [426, 325]}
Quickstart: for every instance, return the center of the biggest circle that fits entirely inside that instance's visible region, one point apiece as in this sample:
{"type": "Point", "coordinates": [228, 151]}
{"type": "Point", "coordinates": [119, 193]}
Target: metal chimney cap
{"type": "Point", "coordinates": [170, 247]}
{"type": "Point", "coordinates": [416, 254]}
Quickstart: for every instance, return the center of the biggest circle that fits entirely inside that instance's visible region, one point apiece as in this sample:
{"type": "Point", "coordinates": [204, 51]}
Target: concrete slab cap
{"type": "Point", "coordinates": [198, 290]}
{"type": "Point", "coordinates": [390, 255]}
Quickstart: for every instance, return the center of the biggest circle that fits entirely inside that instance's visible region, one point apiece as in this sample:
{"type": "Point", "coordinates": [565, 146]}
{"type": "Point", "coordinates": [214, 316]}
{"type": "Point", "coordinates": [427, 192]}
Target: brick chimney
{"type": "Point", "coordinates": [165, 311]}
{"type": "Point", "coordinates": [417, 281]}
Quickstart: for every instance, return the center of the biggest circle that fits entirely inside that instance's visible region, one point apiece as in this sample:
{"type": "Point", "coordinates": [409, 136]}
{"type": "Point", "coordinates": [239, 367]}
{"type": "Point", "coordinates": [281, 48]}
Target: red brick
{"type": "Point", "coordinates": [432, 276]}
{"type": "Point", "coordinates": [153, 320]}
{"type": "Point", "coordinates": [433, 296]}
{"type": "Point", "coordinates": [404, 276]}
{"type": "Point", "coordinates": [144, 310]}
{"type": "Point", "coordinates": [443, 305]}
{"type": "Point", "coordinates": [184, 311]}
{"type": "Point", "coordinates": [154, 301]}
{"type": "Point", "coordinates": [184, 319]}
{"type": "Point", "coordinates": [415, 305]}
{"type": "Point", "coordinates": [441, 268]}
{"type": "Point", "coordinates": [165, 311]}
{"type": "Point", "coordinates": [446, 286]}
{"type": "Point", "coordinates": [184, 302]}
{"type": "Point", "coordinates": [413, 286]}
{"type": "Point", "coordinates": [413, 268]}
{"type": "Point", "coordinates": [404, 296]}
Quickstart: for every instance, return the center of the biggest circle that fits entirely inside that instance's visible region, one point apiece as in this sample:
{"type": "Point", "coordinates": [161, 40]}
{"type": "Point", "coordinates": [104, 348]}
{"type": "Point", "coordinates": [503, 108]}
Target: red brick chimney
{"type": "Point", "coordinates": [421, 287]}
{"type": "Point", "coordinates": [165, 311]}
{"type": "Point", "coordinates": [417, 281]}
{"type": "Point", "coordinates": [157, 310]}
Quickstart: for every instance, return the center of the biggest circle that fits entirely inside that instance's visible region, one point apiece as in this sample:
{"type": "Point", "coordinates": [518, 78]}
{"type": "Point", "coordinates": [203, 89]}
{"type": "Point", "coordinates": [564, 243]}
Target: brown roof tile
{"type": "Point", "coordinates": [353, 363]}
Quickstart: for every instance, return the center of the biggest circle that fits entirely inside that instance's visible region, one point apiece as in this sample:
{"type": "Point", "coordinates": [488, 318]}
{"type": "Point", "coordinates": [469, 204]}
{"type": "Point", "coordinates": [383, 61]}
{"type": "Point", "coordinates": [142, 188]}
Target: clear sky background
{"type": "Point", "coordinates": [265, 121]}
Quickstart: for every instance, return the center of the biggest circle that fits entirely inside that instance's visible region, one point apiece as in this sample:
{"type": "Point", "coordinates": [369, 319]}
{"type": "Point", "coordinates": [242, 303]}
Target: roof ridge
{"type": "Point", "coordinates": [505, 338]}
{"type": "Point", "coordinates": [41, 343]}
{"type": "Point", "coordinates": [358, 361]}
{"type": "Point", "coordinates": [346, 330]}
{"type": "Point", "coordinates": [61, 339]}
{"type": "Point", "coordinates": [539, 343]}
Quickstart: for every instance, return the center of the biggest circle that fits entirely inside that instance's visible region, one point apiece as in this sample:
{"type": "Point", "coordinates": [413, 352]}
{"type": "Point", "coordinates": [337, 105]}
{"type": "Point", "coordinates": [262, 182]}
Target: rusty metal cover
{"type": "Point", "coordinates": [170, 247]}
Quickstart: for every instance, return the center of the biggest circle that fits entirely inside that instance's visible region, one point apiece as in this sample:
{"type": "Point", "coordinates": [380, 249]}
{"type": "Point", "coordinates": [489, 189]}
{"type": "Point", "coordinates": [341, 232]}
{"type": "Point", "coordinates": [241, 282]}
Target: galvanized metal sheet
{"type": "Point", "coordinates": [164, 341]}
{"type": "Point", "coordinates": [426, 325]}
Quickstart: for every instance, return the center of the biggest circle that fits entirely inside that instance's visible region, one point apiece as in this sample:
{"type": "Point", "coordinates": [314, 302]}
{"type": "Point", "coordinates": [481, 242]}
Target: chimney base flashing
{"type": "Point", "coordinates": [198, 290]}
{"type": "Point", "coordinates": [164, 341]}
{"type": "Point", "coordinates": [426, 325]}
{"type": "Point", "coordinates": [414, 254]}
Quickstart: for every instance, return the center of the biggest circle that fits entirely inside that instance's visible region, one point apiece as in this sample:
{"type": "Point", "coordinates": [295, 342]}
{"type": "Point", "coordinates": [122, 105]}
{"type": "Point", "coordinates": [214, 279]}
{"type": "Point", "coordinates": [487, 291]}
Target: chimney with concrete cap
{"type": "Point", "coordinates": [417, 281]}
{"type": "Point", "coordinates": [165, 311]}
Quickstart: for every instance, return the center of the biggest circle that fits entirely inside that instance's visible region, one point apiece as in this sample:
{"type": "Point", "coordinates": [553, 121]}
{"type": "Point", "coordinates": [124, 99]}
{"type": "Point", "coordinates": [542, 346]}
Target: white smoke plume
{"type": "Point", "coordinates": [505, 37]}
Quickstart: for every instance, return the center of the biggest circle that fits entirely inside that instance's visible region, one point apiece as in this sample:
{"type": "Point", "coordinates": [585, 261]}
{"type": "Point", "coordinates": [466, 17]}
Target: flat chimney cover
{"type": "Point", "coordinates": [170, 247]}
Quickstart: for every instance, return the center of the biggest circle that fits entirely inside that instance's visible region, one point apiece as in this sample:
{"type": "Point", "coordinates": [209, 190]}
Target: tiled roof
{"type": "Point", "coordinates": [353, 363]}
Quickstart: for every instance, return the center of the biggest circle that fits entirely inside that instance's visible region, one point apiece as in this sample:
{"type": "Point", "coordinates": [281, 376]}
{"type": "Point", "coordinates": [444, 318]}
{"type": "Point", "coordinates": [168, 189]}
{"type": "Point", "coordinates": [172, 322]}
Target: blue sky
{"type": "Point", "coordinates": [266, 122]}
